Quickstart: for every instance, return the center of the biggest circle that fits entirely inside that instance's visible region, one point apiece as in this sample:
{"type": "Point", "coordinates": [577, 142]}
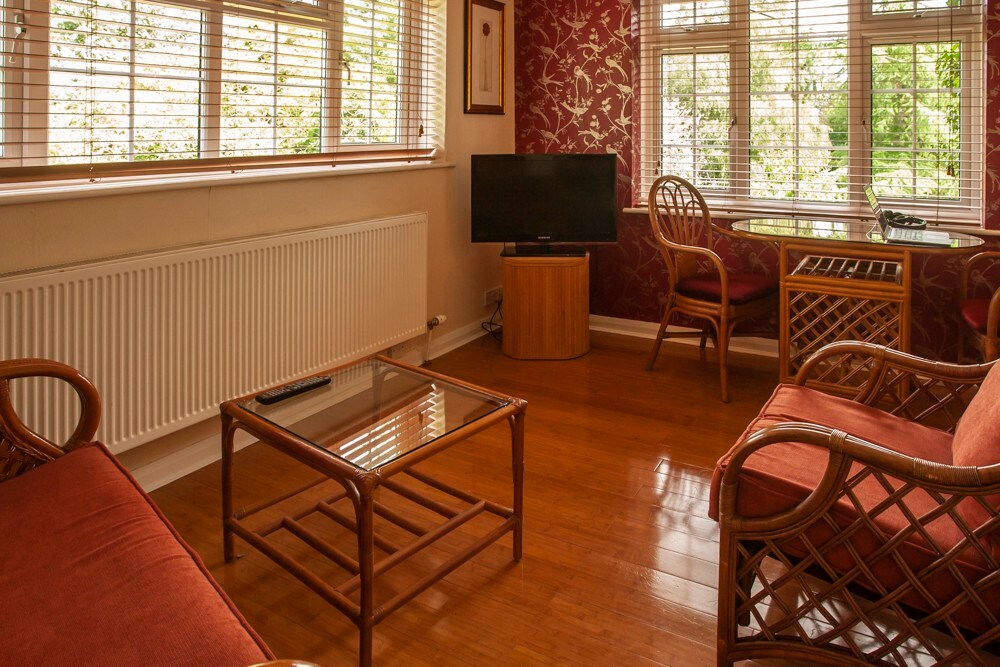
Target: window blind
{"type": "Point", "coordinates": [795, 105]}
{"type": "Point", "coordinates": [95, 88]}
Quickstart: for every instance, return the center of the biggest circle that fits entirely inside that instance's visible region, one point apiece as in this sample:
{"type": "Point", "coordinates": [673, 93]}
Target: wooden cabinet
{"type": "Point", "coordinates": [546, 307]}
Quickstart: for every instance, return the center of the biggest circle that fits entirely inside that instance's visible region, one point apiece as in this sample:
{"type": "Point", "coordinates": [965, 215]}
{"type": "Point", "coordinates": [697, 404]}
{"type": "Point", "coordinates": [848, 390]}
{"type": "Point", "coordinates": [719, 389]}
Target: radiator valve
{"type": "Point", "coordinates": [436, 321]}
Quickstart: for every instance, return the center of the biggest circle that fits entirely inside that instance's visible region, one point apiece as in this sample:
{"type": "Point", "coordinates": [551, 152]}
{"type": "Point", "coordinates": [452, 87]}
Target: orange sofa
{"type": "Point", "coordinates": [92, 573]}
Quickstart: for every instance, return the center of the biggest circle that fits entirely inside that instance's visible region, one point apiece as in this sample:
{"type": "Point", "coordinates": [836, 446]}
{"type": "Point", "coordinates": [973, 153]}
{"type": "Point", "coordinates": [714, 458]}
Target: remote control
{"type": "Point", "coordinates": [292, 389]}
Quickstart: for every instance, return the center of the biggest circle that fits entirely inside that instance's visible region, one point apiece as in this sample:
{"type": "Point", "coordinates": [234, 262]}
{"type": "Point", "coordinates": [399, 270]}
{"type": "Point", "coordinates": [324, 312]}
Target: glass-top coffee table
{"type": "Point", "coordinates": [365, 429]}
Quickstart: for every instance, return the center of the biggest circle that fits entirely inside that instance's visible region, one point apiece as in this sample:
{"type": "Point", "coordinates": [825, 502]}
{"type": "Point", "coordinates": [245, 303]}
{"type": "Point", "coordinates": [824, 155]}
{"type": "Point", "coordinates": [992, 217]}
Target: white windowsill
{"type": "Point", "coordinates": [56, 190]}
{"type": "Point", "coordinates": [945, 225]}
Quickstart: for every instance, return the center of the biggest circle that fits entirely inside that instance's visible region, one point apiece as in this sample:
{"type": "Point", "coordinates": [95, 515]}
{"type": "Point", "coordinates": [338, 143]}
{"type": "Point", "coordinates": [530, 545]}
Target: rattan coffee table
{"type": "Point", "coordinates": [365, 430]}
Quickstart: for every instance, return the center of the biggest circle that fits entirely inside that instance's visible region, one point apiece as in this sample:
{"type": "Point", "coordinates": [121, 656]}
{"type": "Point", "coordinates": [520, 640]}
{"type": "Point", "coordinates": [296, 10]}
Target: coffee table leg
{"type": "Point", "coordinates": [517, 454]}
{"type": "Point", "coordinates": [364, 511]}
{"type": "Point", "coordinates": [228, 543]}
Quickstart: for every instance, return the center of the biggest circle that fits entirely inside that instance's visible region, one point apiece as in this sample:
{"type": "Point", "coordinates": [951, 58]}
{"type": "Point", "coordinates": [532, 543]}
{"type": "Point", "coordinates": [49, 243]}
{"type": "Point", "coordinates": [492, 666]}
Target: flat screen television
{"type": "Point", "coordinates": [544, 199]}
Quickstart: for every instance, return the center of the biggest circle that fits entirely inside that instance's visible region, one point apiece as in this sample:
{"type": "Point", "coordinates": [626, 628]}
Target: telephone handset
{"type": "Point", "coordinates": [904, 221]}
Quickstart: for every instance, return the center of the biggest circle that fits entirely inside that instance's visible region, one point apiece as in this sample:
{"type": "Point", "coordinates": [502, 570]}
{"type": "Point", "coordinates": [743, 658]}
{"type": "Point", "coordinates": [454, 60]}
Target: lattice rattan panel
{"type": "Point", "coordinates": [897, 577]}
{"type": "Point", "coordinates": [831, 299]}
{"type": "Point", "coordinates": [817, 319]}
{"type": "Point", "coordinates": [15, 460]}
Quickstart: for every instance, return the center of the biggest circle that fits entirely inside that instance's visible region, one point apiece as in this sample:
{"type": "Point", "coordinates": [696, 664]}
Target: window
{"type": "Point", "coordinates": [794, 105]}
{"type": "Point", "coordinates": [126, 87]}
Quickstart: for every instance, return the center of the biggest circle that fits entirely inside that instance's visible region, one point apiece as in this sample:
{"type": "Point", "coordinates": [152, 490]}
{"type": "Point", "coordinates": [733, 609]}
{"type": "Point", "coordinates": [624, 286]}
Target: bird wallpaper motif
{"type": "Point", "coordinates": [576, 91]}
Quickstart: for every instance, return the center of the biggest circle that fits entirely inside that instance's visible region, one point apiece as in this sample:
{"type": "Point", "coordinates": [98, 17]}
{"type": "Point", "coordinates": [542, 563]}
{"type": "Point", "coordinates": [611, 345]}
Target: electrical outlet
{"type": "Point", "coordinates": [493, 296]}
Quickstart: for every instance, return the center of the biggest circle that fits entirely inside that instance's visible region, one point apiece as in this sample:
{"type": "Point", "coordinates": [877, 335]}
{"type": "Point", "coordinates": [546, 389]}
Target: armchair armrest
{"type": "Point", "coordinates": [16, 437]}
{"type": "Point", "coordinates": [846, 451]}
{"type": "Point", "coordinates": [932, 393]}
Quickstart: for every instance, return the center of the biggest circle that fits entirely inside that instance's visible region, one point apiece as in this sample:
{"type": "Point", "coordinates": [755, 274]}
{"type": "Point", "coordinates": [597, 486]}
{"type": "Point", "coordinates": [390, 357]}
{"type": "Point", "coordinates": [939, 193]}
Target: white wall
{"type": "Point", "coordinates": [46, 233]}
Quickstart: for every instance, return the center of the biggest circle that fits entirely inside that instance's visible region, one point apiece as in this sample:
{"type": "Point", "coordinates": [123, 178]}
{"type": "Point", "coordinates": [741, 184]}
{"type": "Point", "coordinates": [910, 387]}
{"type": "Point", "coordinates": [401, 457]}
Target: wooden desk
{"type": "Point", "coordinates": [841, 281]}
{"type": "Point", "coordinates": [546, 307]}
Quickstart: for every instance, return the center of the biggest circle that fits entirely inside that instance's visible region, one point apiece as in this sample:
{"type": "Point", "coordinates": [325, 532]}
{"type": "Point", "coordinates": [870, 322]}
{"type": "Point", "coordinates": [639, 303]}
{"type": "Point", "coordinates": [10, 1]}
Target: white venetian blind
{"type": "Point", "coordinates": [122, 87]}
{"type": "Point", "coordinates": [795, 105]}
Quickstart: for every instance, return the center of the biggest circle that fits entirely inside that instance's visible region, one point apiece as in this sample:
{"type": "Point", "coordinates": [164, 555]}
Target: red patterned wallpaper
{"type": "Point", "coordinates": [575, 93]}
{"type": "Point", "coordinates": [991, 179]}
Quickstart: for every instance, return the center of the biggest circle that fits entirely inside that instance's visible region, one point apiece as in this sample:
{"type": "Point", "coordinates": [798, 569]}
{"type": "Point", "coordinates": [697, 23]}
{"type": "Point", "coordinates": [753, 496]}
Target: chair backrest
{"type": "Point", "coordinates": [679, 217]}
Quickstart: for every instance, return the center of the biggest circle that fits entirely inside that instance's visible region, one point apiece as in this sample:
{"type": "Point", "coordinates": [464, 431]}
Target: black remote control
{"type": "Point", "coordinates": [292, 389]}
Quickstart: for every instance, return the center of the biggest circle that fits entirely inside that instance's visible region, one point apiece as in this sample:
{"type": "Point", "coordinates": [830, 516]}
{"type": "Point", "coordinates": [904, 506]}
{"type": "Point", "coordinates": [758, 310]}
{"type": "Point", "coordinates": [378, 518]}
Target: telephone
{"type": "Point", "coordinates": [904, 221]}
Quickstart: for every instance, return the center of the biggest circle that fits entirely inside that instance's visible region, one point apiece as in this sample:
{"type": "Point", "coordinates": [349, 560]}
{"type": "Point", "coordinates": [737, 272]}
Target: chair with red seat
{"type": "Point", "coordinates": [980, 313]}
{"type": "Point", "coordinates": [698, 283]}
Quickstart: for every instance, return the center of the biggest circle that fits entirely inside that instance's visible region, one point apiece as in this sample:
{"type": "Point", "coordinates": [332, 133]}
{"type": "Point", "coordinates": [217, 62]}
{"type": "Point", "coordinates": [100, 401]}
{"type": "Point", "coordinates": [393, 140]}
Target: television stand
{"type": "Point", "coordinates": [546, 306]}
{"type": "Point", "coordinates": [544, 250]}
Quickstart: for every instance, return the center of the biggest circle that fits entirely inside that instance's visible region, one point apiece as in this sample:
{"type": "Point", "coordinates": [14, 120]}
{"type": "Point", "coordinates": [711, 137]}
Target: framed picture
{"type": "Point", "coordinates": [484, 65]}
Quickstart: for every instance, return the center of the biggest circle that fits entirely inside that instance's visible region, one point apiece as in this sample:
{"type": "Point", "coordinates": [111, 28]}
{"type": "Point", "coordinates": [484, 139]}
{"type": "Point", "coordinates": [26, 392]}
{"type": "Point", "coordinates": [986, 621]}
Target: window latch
{"type": "Point", "coordinates": [346, 65]}
{"type": "Point", "coordinates": [19, 30]}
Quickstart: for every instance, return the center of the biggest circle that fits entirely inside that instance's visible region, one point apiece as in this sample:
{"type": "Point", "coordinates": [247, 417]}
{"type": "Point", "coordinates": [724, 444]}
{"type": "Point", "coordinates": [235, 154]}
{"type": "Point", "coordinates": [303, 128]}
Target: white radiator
{"type": "Point", "coordinates": [167, 336]}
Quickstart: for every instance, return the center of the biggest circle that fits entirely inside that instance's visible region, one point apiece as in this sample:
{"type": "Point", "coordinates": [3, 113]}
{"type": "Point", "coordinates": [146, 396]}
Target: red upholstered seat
{"type": "Point", "coordinates": [98, 577]}
{"type": "Point", "coordinates": [974, 312]}
{"type": "Point", "coordinates": [780, 476]}
{"type": "Point", "coordinates": [743, 287]}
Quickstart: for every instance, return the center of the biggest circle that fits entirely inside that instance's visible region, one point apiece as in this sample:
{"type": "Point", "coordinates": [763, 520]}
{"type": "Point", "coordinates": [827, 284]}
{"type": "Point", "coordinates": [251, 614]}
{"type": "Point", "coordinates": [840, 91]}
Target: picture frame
{"type": "Point", "coordinates": [485, 69]}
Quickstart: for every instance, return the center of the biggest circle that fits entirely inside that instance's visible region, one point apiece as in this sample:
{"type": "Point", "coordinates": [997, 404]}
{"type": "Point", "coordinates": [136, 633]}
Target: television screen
{"type": "Point", "coordinates": [544, 198]}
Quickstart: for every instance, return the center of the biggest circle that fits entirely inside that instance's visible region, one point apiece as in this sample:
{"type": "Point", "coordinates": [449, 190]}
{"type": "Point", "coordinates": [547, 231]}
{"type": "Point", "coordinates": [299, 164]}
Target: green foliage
{"type": "Point", "coordinates": [371, 94]}
{"type": "Point", "coordinates": [800, 123]}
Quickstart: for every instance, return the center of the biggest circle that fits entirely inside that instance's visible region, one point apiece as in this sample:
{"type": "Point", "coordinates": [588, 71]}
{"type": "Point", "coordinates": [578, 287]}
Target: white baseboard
{"type": "Point", "coordinates": [185, 461]}
{"type": "Point", "coordinates": [455, 339]}
{"type": "Point", "coordinates": [765, 347]}
{"type": "Point", "coordinates": [208, 450]}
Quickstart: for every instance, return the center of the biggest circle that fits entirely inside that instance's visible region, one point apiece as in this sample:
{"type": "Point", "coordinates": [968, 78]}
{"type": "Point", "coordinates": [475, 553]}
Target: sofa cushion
{"type": "Point", "coordinates": [743, 287]}
{"type": "Point", "coordinates": [780, 476]}
{"type": "Point", "coordinates": [94, 575]}
{"type": "Point", "coordinates": [977, 443]}
{"type": "Point", "coordinates": [974, 312]}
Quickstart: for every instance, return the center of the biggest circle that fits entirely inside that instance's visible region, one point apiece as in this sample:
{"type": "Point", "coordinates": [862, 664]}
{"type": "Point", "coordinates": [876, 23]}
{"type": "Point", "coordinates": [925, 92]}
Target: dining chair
{"type": "Point", "coordinates": [980, 313]}
{"type": "Point", "coordinates": [698, 283]}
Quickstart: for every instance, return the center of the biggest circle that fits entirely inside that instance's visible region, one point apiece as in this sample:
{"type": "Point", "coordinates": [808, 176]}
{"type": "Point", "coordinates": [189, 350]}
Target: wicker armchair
{"type": "Point", "coordinates": [861, 530]}
{"type": "Point", "coordinates": [21, 449]}
{"type": "Point", "coordinates": [698, 283]}
{"type": "Point", "coordinates": [980, 315]}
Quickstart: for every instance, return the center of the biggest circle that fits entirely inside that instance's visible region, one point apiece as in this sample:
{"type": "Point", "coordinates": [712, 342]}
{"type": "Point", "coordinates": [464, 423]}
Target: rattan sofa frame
{"type": "Point", "coordinates": [833, 620]}
{"type": "Point", "coordinates": [21, 449]}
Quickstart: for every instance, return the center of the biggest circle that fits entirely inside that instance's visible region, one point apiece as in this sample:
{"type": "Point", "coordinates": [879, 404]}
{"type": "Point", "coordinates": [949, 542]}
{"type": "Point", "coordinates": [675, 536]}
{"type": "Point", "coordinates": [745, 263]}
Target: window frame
{"type": "Point", "coordinates": [865, 27]}
{"type": "Point", "coordinates": [26, 159]}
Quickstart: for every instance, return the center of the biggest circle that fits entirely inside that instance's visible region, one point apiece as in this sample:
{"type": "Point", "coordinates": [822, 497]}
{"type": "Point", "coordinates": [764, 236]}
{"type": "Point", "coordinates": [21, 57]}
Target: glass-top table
{"type": "Point", "coordinates": [840, 280]}
{"type": "Point", "coordinates": [374, 412]}
{"type": "Point", "coordinates": [364, 431]}
{"type": "Point", "coordinates": [845, 231]}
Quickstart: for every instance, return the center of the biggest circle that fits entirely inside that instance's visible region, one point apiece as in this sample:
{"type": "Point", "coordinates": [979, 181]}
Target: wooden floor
{"type": "Point", "coordinates": [620, 563]}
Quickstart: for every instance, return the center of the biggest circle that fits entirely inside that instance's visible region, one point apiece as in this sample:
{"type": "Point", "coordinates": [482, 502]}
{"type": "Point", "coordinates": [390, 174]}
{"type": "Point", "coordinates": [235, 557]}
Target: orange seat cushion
{"type": "Point", "coordinates": [974, 312]}
{"type": "Point", "coordinates": [94, 575]}
{"type": "Point", "coordinates": [743, 287]}
{"type": "Point", "coordinates": [780, 476]}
